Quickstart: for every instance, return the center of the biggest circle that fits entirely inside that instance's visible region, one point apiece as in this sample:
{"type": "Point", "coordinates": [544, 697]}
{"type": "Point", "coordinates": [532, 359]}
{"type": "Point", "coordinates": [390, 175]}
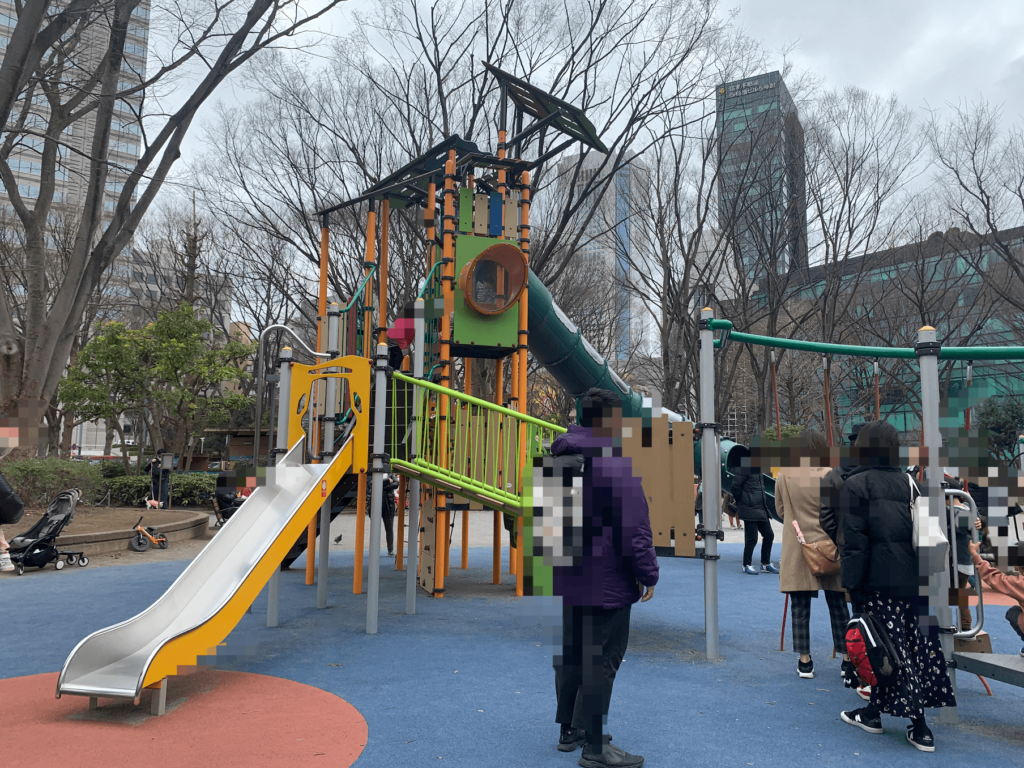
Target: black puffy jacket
{"type": "Point", "coordinates": [831, 510]}
{"type": "Point", "coordinates": [748, 490]}
{"type": "Point", "coordinates": [11, 506]}
{"type": "Point", "coordinates": [878, 532]}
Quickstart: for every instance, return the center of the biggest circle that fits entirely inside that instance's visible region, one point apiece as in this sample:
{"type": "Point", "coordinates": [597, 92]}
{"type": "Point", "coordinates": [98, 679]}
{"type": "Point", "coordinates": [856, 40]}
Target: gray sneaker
{"type": "Point", "coordinates": [608, 757]}
{"type": "Point", "coordinates": [5, 562]}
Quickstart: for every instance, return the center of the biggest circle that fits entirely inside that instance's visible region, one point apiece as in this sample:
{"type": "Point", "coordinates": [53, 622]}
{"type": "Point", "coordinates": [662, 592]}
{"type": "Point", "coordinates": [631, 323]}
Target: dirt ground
{"type": "Point", "coordinates": [102, 519]}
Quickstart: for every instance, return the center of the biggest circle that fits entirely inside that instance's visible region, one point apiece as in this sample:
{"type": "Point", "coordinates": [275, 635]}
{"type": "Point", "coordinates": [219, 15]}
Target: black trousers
{"type": "Point", "coordinates": [750, 531]}
{"type": "Point", "coordinates": [593, 643]}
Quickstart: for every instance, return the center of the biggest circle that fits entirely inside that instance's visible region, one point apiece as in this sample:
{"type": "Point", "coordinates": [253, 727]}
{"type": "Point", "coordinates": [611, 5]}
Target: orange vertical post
{"type": "Point", "coordinates": [828, 401]}
{"type": "Point", "coordinates": [878, 397]}
{"type": "Point", "coordinates": [447, 278]}
{"type": "Point", "coordinates": [775, 389]}
{"type": "Point", "coordinates": [521, 347]}
{"type": "Point", "coordinates": [371, 235]}
{"type": "Point", "coordinates": [400, 544]}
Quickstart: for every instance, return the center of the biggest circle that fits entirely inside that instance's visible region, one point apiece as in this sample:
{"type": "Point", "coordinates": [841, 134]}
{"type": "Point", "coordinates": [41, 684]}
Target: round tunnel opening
{"type": "Point", "coordinates": [493, 282]}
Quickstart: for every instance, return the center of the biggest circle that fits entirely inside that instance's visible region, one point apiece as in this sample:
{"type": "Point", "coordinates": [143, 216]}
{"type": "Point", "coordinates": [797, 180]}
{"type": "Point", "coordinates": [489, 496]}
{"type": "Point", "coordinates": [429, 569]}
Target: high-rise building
{"type": "Point", "coordinates": [762, 195]}
{"type": "Point", "coordinates": [608, 241]}
{"type": "Point", "coordinates": [74, 155]}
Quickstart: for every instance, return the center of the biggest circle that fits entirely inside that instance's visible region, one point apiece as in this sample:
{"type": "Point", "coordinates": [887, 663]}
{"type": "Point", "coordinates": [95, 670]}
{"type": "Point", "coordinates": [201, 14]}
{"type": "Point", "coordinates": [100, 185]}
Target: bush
{"type": "Point", "coordinates": [788, 431]}
{"type": "Point", "coordinates": [37, 481]}
{"type": "Point", "coordinates": [128, 491]}
{"type": "Point", "coordinates": [111, 468]}
{"type": "Point", "coordinates": [194, 490]}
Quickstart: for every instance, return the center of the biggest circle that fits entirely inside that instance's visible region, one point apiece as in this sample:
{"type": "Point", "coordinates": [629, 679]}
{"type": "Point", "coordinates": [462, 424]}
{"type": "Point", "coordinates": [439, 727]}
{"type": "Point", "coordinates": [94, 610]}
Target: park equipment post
{"type": "Point", "coordinates": [283, 401]}
{"type": "Point", "coordinates": [412, 564]}
{"type": "Point", "coordinates": [878, 398]}
{"type": "Point", "coordinates": [330, 415]}
{"type": "Point", "coordinates": [377, 487]}
{"type": "Point", "coordinates": [927, 350]}
{"type": "Point", "coordinates": [710, 478]}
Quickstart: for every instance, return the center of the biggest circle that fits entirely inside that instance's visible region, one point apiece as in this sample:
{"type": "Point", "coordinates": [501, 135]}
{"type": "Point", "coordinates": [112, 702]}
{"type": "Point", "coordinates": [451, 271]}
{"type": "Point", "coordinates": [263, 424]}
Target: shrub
{"type": "Point", "coordinates": [111, 468]}
{"type": "Point", "coordinates": [128, 491]}
{"type": "Point", "coordinates": [194, 490]}
{"type": "Point", "coordinates": [37, 481]}
{"type": "Point", "coordinates": [788, 431]}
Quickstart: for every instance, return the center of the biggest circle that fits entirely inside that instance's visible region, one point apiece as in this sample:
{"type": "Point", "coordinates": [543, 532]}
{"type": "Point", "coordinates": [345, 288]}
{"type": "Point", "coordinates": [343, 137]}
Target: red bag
{"type": "Point", "coordinates": [871, 650]}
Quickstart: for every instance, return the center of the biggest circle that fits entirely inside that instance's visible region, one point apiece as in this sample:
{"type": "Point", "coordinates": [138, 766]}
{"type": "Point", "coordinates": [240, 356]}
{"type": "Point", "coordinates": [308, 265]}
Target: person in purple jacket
{"type": "Point", "coordinates": [611, 564]}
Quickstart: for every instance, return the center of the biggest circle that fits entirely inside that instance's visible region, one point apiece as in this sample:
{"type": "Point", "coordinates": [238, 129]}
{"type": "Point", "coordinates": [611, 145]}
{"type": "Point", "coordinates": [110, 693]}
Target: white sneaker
{"type": "Point", "coordinates": [5, 562]}
{"type": "Point", "coordinates": [864, 691]}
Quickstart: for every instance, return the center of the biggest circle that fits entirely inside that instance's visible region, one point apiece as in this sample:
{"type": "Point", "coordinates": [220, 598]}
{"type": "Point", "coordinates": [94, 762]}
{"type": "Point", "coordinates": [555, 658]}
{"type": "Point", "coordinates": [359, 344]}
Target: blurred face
{"type": "Point", "coordinates": [23, 429]}
{"type": "Point", "coordinates": [8, 437]}
{"type": "Point", "coordinates": [609, 424]}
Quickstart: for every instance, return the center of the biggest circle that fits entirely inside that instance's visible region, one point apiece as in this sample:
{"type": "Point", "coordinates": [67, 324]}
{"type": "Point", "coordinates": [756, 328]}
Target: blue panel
{"type": "Point", "coordinates": [494, 227]}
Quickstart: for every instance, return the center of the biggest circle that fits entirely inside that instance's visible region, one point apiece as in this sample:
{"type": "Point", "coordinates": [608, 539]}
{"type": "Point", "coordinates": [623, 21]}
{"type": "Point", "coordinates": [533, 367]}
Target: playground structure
{"type": "Point", "coordinates": [345, 420]}
{"type": "Point", "coordinates": [956, 646]}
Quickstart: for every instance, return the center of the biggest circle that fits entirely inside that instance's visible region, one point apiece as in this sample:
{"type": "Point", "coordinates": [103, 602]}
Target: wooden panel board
{"type": "Point", "coordinates": [481, 214]}
{"type": "Point", "coordinates": [511, 225]}
{"type": "Point", "coordinates": [665, 467]}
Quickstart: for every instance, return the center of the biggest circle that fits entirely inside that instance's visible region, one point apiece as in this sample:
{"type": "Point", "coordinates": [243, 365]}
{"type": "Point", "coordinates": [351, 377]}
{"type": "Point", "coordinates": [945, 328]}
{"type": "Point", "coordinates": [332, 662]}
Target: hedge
{"type": "Point", "coordinates": [37, 481]}
{"type": "Point", "coordinates": [192, 490]}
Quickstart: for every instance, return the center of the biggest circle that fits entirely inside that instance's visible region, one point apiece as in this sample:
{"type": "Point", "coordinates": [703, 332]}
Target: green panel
{"type": "Point", "coordinates": [465, 210]}
{"type": "Point", "coordinates": [491, 333]}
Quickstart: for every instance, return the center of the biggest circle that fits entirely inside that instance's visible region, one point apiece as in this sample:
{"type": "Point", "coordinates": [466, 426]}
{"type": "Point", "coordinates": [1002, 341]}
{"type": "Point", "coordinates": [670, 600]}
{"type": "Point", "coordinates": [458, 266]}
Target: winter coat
{"type": "Point", "coordinates": [748, 490]}
{"type": "Point", "coordinates": [11, 506]}
{"type": "Point", "coordinates": [617, 546]}
{"type": "Point", "coordinates": [878, 533]}
{"type": "Point", "coordinates": [798, 497]}
{"type": "Point", "coordinates": [831, 511]}
{"type": "Point", "coordinates": [997, 581]}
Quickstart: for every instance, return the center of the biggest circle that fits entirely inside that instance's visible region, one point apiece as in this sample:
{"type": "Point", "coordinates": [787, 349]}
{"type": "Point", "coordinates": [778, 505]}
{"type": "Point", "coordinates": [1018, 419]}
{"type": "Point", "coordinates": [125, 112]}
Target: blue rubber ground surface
{"type": "Point", "coordinates": [468, 681]}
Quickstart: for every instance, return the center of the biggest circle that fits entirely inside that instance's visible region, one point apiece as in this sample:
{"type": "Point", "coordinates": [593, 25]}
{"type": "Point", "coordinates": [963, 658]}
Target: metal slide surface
{"type": "Point", "coordinates": [204, 604]}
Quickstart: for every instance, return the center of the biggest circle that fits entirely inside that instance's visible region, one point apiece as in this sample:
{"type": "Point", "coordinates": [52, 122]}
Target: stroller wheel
{"type": "Point", "coordinates": [139, 543]}
{"type": "Point", "coordinates": [72, 559]}
{"type": "Point", "coordinates": [59, 565]}
{"type": "Point", "coordinates": [83, 561]}
{"type": "Point", "coordinates": [21, 569]}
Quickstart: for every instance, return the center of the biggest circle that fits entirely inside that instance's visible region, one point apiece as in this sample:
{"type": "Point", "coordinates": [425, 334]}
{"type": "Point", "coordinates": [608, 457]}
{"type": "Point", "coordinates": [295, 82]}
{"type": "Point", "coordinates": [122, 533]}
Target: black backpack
{"type": "Point", "coordinates": [871, 650]}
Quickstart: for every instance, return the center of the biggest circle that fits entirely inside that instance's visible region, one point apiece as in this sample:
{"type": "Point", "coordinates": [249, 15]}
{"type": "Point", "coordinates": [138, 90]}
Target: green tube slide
{"type": "Point", "coordinates": [559, 345]}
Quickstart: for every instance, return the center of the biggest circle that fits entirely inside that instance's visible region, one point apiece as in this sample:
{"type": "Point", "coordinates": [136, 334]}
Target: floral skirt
{"type": "Point", "coordinates": [923, 681]}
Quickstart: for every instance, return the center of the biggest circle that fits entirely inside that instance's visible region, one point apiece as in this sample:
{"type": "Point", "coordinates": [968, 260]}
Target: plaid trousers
{"type": "Point", "coordinates": [838, 614]}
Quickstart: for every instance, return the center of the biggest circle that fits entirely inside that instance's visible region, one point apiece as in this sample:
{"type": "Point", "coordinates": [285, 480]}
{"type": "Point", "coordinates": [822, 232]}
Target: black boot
{"type": "Point", "coordinates": [609, 755]}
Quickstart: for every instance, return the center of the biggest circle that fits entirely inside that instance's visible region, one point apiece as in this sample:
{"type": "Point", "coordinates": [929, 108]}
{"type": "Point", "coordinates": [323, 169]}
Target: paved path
{"type": "Point", "coordinates": [468, 678]}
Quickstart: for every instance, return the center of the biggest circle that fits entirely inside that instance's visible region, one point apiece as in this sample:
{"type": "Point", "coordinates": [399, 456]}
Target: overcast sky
{"type": "Point", "coordinates": [929, 52]}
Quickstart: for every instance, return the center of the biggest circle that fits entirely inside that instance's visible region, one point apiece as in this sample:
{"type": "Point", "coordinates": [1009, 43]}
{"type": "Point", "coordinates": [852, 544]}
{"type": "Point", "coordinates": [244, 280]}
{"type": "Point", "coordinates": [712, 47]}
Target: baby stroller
{"type": "Point", "coordinates": [37, 547]}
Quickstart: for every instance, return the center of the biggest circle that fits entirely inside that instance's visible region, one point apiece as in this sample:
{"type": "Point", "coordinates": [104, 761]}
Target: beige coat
{"type": "Point", "coordinates": [798, 497]}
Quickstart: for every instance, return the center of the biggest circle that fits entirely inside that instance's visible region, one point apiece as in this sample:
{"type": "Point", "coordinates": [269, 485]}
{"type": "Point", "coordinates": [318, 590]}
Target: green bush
{"type": "Point", "coordinates": [37, 481]}
{"type": "Point", "coordinates": [129, 491]}
{"type": "Point", "coordinates": [788, 431]}
{"type": "Point", "coordinates": [111, 468]}
{"type": "Point", "coordinates": [194, 490]}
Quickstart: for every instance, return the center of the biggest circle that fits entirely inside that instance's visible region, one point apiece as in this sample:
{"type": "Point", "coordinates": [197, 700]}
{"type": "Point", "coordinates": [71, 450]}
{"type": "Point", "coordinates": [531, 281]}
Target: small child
{"type": "Point", "coordinates": [1011, 586]}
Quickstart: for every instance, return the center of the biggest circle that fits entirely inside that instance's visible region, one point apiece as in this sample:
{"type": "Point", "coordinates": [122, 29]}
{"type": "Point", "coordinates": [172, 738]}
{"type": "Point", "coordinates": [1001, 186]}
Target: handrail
{"type": "Point", "coordinates": [854, 350]}
{"type": "Point", "coordinates": [477, 401]}
{"type": "Point", "coordinates": [954, 492]}
{"type": "Point", "coordinates": [426, 280]}
{"type": "Point", "coordinates": [356, 293]}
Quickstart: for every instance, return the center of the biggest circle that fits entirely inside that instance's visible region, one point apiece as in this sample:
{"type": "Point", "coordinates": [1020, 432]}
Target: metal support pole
{"type": "Point", "coordinates": [283, 407]}
{"type": "Point", "coordinates": [331, 413]}
{"type": "Point", "coordinates": [775, 389]}
{"type": "Point", "coordinates": [878, 398]}
{"type": "Point", "coordinates": [414, 485]}
{"type": "Point", "coordinates": [711, 481]}
{"type": "Point", "coordinates": [377, 488]}
{"type": "Point", "coordinates": [938, 588]}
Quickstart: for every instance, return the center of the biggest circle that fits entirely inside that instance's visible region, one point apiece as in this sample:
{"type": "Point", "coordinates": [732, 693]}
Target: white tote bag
{"type": "Point", "coordinates": [929, 539]}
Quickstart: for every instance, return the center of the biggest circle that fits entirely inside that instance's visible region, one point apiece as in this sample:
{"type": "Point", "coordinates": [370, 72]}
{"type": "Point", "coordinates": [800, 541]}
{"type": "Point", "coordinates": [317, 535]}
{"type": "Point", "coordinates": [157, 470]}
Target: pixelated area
{"type": "Point", "coordinates": [22, 429]}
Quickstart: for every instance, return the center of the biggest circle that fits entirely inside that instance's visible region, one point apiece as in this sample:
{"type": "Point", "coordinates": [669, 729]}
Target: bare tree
{"type": "Point", "coordinates": [69, 70]}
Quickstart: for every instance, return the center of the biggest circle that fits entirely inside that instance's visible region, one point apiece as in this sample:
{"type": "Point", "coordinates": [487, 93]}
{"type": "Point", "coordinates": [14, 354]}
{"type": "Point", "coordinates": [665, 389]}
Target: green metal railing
{"type": "Point", "coordinates": [476, 450]}
{"type": "Point", "coordinates": [353, 335]}
{"type": "Point", "coordinates": [907, 353]}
